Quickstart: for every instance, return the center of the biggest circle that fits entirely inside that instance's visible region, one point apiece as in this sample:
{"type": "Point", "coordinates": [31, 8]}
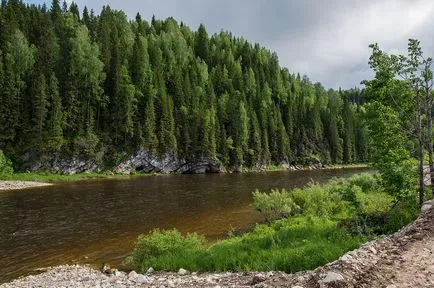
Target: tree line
{"type": "Point", "coordinates": [103, 86]}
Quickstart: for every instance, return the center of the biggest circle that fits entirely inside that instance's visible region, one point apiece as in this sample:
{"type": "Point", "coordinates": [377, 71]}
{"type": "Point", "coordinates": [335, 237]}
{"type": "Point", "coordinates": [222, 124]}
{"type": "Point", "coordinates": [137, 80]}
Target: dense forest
{"type": "Point", "coordinates": [104, 86]}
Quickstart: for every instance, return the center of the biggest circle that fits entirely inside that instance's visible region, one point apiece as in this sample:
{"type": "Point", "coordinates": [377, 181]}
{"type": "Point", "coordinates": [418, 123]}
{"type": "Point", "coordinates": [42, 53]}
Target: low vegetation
{"type": "Point", "coordinates": [308, 227]}
{"type": "Point", "coordinates": [5, 165]}
{"type": "Point", "coordinates": [55, 177]}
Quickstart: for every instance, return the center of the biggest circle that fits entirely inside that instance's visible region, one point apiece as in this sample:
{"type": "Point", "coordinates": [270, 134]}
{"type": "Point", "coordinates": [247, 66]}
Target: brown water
{"type": "Point", "coordinates": [98, 221]}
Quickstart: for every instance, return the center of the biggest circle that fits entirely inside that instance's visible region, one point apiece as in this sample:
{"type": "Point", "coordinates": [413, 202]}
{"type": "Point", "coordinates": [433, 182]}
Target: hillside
{"type": "Point", "coordinates": [84, 92]}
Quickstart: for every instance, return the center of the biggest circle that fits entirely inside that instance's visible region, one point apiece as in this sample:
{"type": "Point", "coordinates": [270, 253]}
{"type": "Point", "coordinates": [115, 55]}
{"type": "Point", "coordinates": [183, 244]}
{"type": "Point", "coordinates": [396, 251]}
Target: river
{"type": "Point", "coordinates": [98, 221]}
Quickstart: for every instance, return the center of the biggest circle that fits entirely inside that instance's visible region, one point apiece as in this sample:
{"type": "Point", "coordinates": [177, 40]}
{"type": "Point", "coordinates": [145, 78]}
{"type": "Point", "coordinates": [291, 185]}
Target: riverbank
{"type": "Point", "coordinates": [56, 177]}
{"type": "Point", "coordinates": [391, 261]}
{"type": "Point", "coordinates": [39, 177]}
{"type": "Point", "coordinates": [18, 185]}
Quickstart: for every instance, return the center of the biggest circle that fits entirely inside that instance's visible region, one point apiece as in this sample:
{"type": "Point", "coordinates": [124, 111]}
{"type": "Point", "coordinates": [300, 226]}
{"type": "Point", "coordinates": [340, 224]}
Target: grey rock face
{"type": "Point", "coordinates": [146, 162]}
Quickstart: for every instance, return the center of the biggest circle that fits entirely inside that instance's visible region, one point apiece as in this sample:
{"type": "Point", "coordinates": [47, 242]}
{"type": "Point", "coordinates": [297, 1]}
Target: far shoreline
{"type": "Point", "coordinates": [25, 180]}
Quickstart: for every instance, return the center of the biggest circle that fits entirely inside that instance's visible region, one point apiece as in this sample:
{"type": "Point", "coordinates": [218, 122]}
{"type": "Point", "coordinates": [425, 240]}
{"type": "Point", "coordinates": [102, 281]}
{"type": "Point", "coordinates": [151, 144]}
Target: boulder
{"type": "Point", "coordinates": [427, 206]}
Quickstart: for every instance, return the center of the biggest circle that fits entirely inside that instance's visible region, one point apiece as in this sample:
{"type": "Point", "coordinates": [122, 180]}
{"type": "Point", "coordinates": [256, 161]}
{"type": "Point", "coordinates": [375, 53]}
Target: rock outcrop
{"type": "Point", "coordinates": [143, 161]}
{"type": "Point", "coordinates": [55, 163]}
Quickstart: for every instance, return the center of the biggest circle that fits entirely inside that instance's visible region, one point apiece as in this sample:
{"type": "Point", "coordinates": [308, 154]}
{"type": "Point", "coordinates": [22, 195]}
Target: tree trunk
{"type": "Point", "coordinates": [430, 144]}
{"type": "Point", "coordinates": [421, 175]}
{"type": "Point", "coordinates": [421, 172]}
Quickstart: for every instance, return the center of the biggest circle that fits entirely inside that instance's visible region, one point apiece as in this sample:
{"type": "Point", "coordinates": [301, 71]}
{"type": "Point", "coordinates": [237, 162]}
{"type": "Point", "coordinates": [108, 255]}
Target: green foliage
{"type": "Point", "coordinates": [316, 201]}
{"type": "Point", "coordinates": [273, 206]}
{"type": "Point", "coordinates": [359, 198]}
{"type": "Point", "coordinates": [401, 214]}
{"type": "Point", "coordinates": [399, 106]}
{"type": "Point", "coordinates": [390, 154]}
{"type": "Point", "coordinates": [288, 245]}
{"type": "Point", "coordinates": [340, 198]}
{"type": "Point", "coordinates": [5, 165]}
{"type": "Point", "coordinates": [366, 181]}
{"type": "Point", "coordinates": [161, 247]}
{"type": "Point", "coordinates": [86, 146]}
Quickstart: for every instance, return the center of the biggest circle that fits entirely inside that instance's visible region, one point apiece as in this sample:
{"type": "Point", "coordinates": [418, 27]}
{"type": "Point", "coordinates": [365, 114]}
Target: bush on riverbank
{"type": "Point", "coordinates": [273, 206]}
{"type": "Point", "coordinates": [332, 219]}
{"type": "Point", "coordinates": [341, 198]}
{"type": "Point", "coordinates": [5, 165]}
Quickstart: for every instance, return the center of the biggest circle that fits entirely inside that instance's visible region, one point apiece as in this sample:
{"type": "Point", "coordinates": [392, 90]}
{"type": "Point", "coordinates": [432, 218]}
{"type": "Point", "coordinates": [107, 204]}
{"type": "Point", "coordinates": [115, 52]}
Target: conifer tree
{"type": "Point", "coordinates": [40, 106]}
{"type": "Point", "coordinates": [105, 82]}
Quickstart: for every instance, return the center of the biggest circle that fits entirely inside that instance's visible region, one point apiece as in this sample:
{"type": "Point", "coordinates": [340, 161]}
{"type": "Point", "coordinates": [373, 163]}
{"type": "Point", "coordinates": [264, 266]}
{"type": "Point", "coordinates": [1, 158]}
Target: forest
{"type": "Point", "coordinates": [101, 87]}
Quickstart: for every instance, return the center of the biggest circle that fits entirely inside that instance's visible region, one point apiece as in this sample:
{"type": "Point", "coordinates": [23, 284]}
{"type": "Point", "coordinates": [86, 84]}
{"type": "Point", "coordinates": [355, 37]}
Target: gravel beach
{"type": "Point", "coordinates": [17, 185]}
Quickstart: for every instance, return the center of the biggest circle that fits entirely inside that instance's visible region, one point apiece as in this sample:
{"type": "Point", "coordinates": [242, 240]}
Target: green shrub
{"type": "Point", "coordinates": [366, 181]}
{"type": "Point", "coordinates": [273, 206]}
{"type": "Point", "coordinates": [339, 199]}
{"type": "Point", "coordinates": [315, 200]}
{"type": "Point", "coordinates": [5, 165]}
{"type": "Point", "coordinates": [370, 223]}
{"type": "Point", "coordinates": [403, 213]}
{"type": "Point", "coordinates": [86, 146]}
{"type": "Point", "coordinates": [166, 250]}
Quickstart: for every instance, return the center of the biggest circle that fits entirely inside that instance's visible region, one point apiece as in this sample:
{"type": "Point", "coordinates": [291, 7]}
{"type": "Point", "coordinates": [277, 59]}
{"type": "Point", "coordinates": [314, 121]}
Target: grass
{"type": "Point", "coordinates": [288, 245]}
{"type": "Point", "coordinates": [323, 222]}
{"type": "Point", "coordinates": [53, 177]}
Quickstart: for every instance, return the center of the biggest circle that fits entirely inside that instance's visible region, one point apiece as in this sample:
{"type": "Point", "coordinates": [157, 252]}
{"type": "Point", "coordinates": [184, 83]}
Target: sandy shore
{"type": "Point", "coordinates": [17, 185]}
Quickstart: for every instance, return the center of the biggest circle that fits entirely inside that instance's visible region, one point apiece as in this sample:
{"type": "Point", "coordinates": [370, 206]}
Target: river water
{"type": "Point", "coordinates": [98, 221]}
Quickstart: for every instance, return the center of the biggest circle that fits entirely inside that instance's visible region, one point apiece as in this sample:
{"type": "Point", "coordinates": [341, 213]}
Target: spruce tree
{"type": "Point", "coordinates": [40, 107]}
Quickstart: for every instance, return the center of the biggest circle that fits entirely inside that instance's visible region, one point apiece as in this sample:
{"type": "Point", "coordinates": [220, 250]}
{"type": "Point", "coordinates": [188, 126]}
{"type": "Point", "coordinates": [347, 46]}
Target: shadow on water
{"type": "Point", "coordinates": [98, 221]}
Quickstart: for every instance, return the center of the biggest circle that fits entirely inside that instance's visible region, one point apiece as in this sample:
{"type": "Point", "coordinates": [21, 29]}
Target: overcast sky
{"type": "Point", "coordinates": [324, 39]}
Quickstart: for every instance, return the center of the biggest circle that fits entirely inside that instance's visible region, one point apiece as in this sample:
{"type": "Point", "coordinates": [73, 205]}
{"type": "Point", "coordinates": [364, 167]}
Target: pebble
{"type": "Point", "coordinates": [150, 270]}
{"type": "Point", "coordinates": [258, 278]}
{"type": "Point", "coordinates": [331, 277]}
{"type": "Point", "coordinates": [182, 272]}
{"type": "Point", "coordinates": [141, 279]}
{"type": "Point", "coordinates": [132, 275]}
